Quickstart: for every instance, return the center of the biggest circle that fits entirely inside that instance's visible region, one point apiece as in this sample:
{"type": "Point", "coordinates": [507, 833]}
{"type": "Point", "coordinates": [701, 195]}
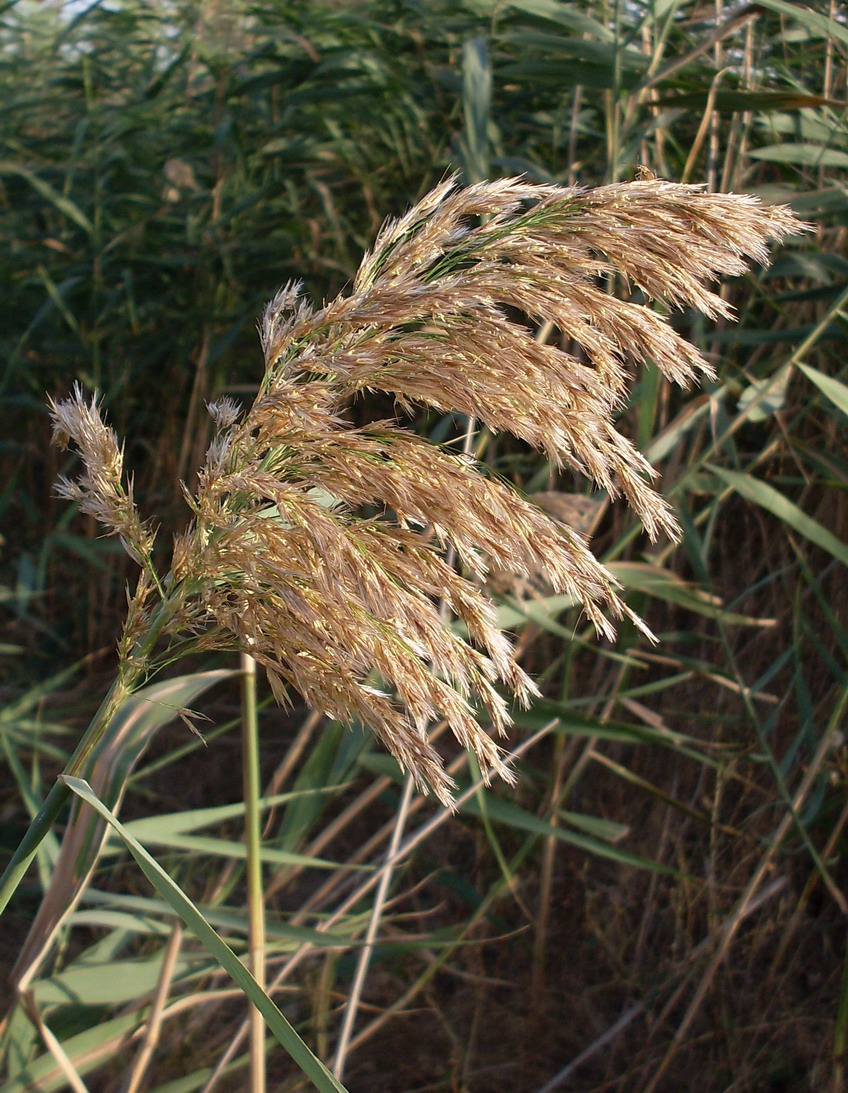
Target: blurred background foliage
{"type": "Point", "coordinates": [165, 167]}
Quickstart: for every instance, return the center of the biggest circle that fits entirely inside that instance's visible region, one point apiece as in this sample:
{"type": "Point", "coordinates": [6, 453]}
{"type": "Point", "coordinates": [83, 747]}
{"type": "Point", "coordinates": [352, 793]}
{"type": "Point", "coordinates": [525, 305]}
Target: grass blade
{"type": "Point", "coordinates": [109, 768]}
{"type": "Point", "coordinates": [754, 489]}
{"type": "Point", "coordinates": [284, 1033]}
{"type": "Point", "coordinates": [831, 388]}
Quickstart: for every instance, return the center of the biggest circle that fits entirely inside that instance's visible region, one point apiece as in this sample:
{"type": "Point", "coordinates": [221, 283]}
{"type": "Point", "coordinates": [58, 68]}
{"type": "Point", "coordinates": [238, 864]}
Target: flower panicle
{"type": "Point", "coordinates": [320, 548]}
{"type": "Point", "coordinates": [100, 489]}
{"type": "Point", "coordinates": [428, 320]}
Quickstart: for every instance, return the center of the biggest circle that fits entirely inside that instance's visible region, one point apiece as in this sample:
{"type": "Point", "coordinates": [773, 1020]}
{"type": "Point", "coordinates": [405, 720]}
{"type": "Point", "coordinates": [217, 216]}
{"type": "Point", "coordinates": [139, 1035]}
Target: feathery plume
{"type": "Point", "coordinates": [318, 547]}
{"type": "Point", "coordinates": [99, 490]}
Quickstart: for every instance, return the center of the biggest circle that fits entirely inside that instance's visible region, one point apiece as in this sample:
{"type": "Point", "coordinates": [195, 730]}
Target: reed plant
{"type": "Point", "coordinates": [312, 543]}
{"type": "Point", "coordinates": [317, 548]}
{"type": "Point", "coordinates": [656, 901]}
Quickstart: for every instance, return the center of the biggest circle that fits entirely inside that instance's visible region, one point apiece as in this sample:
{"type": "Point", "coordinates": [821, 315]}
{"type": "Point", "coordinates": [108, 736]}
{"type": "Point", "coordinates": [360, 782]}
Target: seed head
{"type": "Point", "coordinates": [319, 547]}
{"type": "Point", "coordinates": [99, 489]}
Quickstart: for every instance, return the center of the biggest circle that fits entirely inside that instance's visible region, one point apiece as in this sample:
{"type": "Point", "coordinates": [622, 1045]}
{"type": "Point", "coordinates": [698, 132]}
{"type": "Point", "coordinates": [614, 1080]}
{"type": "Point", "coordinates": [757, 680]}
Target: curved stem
{"type": "Point", "coordinates": [58, 795]}
{"type": "Point", "coordinates": [135, 667]}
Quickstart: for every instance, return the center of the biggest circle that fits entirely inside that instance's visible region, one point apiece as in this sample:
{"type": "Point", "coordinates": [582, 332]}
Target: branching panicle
{"type": "Point", "coordinates": [100, 490]}
{"type": "Point", "coordinates": [345, 607]}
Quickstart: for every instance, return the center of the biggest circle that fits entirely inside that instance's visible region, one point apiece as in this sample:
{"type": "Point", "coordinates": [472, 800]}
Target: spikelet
{"type": "Point", "coordinates": [281, 558]}
{"type": "Point", "coordinates": [99, 489]}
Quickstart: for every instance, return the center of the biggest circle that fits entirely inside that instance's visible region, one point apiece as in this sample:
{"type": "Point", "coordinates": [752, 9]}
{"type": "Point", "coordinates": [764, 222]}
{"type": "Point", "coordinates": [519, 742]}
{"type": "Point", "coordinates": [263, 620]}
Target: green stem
{"type": "Point", "coordinates": [253, 839]}
{"type": "Point", "coordinates": [41, 824]}
{"type": "Point", "coordinates": [119, 692]}
{"type": "Point", "coordinates": [135, 668]}
{"type": "Point", "coordinates": [839, 1035]}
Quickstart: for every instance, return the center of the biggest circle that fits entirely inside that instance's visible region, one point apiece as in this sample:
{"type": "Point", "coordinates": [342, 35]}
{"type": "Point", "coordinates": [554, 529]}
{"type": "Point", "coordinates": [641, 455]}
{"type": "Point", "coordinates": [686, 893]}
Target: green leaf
{"type": "Point", "coordinates": [569, 724]}
{"type": "Point", "coordinates": [635, 576]}
{"type": "Point", "coordinates": [812, 20]}
{"type": "Point", "coordinates": [803, 155]}
{"type": "Point", "coordinates": [109, 767]}
{"type": "Point", "coordinates": [506, 812]}
{"type": "Point", "coordinates": [834, 390]}
{"type": "Point", "coordinates": [664, 585]}
{"type": "Point", "coordinates": [753, 489]}
{"type": "Point", "coordinates": [476, 104]}
{"type": "Point", "coordinates": [567, 15]}
{"type": "Point", "coordinates": [764, 398]}
{"type": "Point", "coordinates": [740, 101]}
{"type": "Point", "coordinates": [229, 848]}
{"type": "Point", "coordinates": [129, 923]}
{"type": "Point", "coordinates": [281, 1029]}
{"type": "Point", "coordinates": [193, 819]}
{"type": "Point", "coordinates": [103, 984]}
{"type": "Point", "coordinates": [64, 204]}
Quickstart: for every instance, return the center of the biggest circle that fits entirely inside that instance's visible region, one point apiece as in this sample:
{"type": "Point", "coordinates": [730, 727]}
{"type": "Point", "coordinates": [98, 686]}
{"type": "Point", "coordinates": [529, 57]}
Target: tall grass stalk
{"type": "Point", "coordinates": [253, 870]}
{"type": "Point", "coordinates": [375, 918]}
{"type": "Point", "coordinates": [324, 551]}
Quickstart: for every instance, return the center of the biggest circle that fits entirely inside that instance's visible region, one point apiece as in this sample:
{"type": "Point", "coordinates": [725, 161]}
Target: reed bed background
{"type": "Point", "coordinates": [659, 902]}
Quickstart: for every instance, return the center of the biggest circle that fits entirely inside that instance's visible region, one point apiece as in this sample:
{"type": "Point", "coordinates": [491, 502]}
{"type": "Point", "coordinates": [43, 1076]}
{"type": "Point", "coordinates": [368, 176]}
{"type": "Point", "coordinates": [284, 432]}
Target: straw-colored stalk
{"type": "Point", "coordinates": [318, 548]}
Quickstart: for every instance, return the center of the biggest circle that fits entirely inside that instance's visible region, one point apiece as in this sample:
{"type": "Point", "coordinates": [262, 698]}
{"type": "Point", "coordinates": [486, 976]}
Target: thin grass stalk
{"type": "Point", "coordinates": [840, 1032]}
{"type": "Point", "coordinates": [290, 760]}
{"type": "Point", "coordinates": [802, 905]}
{"type": "Point", "coordinates": [253, 866]}
{"type": "Point", "coordinates": [477, 96]}
{"type": "Point", "coordinates": [683, 979]}
{"type": "Point", "coordinates": [827, 743]}
{"type": "Point", "coordinates": [410, 843]}
{"type": "Point", "coordinates": [369, 848]}
{"type": "Point", "coordinates": [446, 953]}
{"type": "Point", "coordinates": [64, 1065]}
{"type": "Point", "coordinates": [401, 819]}
{"type": "Point", "coordinates": [712, 164]}
{"type": "Point", "coordinates": [741, 18]}
{"type": "Point", "coordinates": [153, 1030]}
{"type": "Point", "coordinates": [563, 785]}
{"type": "Point", "coordinates": [731, 925]}
{"type": "Point", "coordinates": [563, 753]}
{"type": "Point", "coordinates": [706, 128]}
{"type": "Point", "coordinates": [741, 124]}
{"type": "Point", "coordinates": [604, 1040]}
{"type": "Point", "coordinates": [551, 844]}
{"type": "Point", "coordinates": [470, 927]}
{"type": "Point", "coordinates": [381, 895]}
{"type": "Point", "coordinates": [367, 949]}
{"type": "Point", "coordinates": [612, 96]}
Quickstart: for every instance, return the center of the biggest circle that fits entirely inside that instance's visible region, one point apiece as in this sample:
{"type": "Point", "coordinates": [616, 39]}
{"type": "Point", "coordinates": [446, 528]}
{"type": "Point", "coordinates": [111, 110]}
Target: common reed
{"type": "Point", "coordinates": [319, 548]}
